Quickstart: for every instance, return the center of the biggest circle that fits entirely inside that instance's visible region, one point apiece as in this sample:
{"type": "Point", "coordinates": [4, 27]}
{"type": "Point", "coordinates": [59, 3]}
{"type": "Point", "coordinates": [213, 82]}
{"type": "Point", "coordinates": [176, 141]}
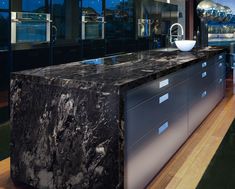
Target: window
{"type": "Point", "coordinates": [92, 7]}
{"type": "Point", "coordinates": [33, 6]}
{"type": "Point", "coordinates": [114, 19]}
{"type": "Point", "coordinates": [119, 17]}
{"type": "Point", "coordinates": [92, 19]}
{"type": "Point", "coordinates": [4, 4]}
{"type": "Point", "coordinates": [4, 33]}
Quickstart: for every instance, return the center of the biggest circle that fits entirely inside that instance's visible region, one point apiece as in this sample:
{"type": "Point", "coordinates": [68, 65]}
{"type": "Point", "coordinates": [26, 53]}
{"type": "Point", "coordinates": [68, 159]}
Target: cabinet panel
{"type": "Point", "coordinates": [162, 114]}
{"type": "Point", "coordinates": [148, 90]}
{"type": "Point", "coordinates": [201, 104]}
{"type": "Point", "coordinates": [220, 57]}
{"type": "Point", "coordinates": [149, 155]}
{"type": "Point", "coordinates": [221, 86]}
{"type": "Point", "coordinates": [200, 83]}
{"type": "Point", "coordinates": [141, 119]}
{"type": "Point", "coordinates": [220, 68]}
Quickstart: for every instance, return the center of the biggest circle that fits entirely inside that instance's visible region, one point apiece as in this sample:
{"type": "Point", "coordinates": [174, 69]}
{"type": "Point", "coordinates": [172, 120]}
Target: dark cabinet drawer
{"type": "Point", "coordinates": [201, 81]}
{"type": "Point", "coordinates": [220, 57]}
{"type": "Point", "coordinates": [220, 68]}
{"type": "Point", "coordinates": [201, 104]}
{"type": "Point", "coordinates": [150, 154]}
{"type": "Point", "coordinates": [201, 67]}
{"type": "Point", "coordinates": [221, 86]}
{"type": "Point", "coordinates": [146, 91]}
{"type": "Point", "coordinates": [143, 117]}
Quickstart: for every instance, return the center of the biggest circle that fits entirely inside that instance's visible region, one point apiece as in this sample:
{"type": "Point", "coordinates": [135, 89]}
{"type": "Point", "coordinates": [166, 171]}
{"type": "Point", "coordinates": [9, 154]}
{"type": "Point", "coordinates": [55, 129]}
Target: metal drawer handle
{"type": "Point", "coordinates": [220, 80]}
{"type": "Point", "coordinates": [163, 98]}
{"type": "Point", "coordinates": [220, 65]}
{"type": "Point", "coordinates": [220, 57]}
{"type": "Point", "coordinates": [204, 74]}
{"type": "Point", "coordinates": [204, 94]}
{"type": "Point", "coordinates": [164, 83]}
{"type": "Point", "coordinates": [204, 64]}
{"type": "Point", "coordinates": [163, 128]}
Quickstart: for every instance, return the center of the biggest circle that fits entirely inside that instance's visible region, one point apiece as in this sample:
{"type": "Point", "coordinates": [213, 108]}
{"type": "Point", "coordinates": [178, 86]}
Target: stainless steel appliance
{"type": "Point", "coordinates": [30, 27]}
{"type": "Point", "coordinates": [93, 27]}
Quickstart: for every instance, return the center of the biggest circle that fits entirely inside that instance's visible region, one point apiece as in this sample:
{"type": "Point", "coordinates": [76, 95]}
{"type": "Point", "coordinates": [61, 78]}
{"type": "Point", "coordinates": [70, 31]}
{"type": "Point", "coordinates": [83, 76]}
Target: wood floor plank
{"type": "Point", "coordinates": [195, 171]}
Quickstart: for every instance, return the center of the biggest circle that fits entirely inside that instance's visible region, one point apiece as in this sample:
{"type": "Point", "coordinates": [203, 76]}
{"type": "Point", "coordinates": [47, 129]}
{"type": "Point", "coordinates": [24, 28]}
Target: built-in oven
{"type": "Point", "coordinates": [93, 27]}
{"type": "Point", "coordinates": [30, 27]}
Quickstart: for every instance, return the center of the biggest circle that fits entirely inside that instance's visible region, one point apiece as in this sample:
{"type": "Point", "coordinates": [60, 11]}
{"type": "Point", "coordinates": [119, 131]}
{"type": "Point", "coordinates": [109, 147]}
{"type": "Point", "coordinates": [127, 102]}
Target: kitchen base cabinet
{"type": "Point", "coordinates": [144, 117]}
{"type": "Point", "coordinates": [205, 101]}
{"type": "Point", "coordinates": [158, 126]}
{"type": "Point", "coordinates": [206, 89]}
{"type": "Point", "coordinates": [148, 156]}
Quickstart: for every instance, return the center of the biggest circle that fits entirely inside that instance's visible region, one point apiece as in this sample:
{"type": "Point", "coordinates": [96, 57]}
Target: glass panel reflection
{"type": "Point", "coordinates": [33, 6]}
{"type": "Point", "coordinates": [114, 18]}
{"type": "Point", "coordinates": [4, 4]}
{"type": "Point", "coordinates": [4, 16]}
{"type": "Point", "coordinates": [92, 7]}
{"type": "Point", "coordinates": [144, 27]}
{"type": "Point", "coordinates": [66, 20]}
{"type": "Point", "coordinates": [92, 19]}
{"type": "Point", "coordinates": [120, 20]}
{"type": "Point", "coordinates": [30, 27]}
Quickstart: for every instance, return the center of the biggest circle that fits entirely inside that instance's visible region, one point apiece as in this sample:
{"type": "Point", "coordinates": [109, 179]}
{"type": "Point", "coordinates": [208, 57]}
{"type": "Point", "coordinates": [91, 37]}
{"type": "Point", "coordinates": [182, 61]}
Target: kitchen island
{"type": "Point", "coordinates": [111, 122]}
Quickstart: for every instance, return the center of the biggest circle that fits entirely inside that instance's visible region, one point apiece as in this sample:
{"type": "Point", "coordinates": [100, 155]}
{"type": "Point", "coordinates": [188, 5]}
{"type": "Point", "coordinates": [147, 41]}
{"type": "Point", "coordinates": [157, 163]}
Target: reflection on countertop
{"type": "Point", "coordinates": [121, 70]}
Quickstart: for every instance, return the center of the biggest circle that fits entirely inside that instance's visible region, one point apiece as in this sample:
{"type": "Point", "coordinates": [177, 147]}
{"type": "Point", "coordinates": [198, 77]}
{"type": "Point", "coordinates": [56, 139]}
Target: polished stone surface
{"type": "Point", "coordinates": [123, 70]}
{"type": "Point", "coordinates": [67, 120]}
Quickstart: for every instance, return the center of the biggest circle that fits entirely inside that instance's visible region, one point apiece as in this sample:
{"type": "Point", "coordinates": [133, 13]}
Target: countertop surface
{"type": "Point", "coordinates": [123, 70]}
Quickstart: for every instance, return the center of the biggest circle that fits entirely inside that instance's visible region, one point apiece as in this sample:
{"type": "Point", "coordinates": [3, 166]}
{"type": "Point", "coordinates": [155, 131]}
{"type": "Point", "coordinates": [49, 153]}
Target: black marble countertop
{"type": "Point", "coordinates": [68, 121]}
{"type": "Point", "coordinates": [122, 70]}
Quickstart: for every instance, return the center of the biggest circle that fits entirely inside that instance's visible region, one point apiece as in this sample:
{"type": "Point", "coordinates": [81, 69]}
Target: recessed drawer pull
{"type": "Point", "coordinates": [220, 57]}
{"type": "Point", "coordinates": [204, 74]}
{"type": "Point", "coordinates": [204, 64]}
{"type": "Point", "coordinates": [163, 98]}
{"type": "Point", "coordinates": [220, 65]}
{"type": "Point", "coordinates": [204, 94]}
{"type": "Point", "coordinates": [163, 128]}
{"type": "Point", "coordinates": [163, 83]}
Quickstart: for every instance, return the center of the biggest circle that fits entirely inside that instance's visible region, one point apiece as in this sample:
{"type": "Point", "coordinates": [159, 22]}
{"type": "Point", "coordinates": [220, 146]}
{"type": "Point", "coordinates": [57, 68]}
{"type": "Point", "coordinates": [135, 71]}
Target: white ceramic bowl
{"type": "Point", "coordinates": [185, 45]}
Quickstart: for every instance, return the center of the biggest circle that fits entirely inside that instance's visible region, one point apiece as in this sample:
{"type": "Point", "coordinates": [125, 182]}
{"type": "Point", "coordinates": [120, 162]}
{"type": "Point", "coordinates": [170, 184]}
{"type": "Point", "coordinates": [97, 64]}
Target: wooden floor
{"type": "Point", "coordinates": [187, 166]}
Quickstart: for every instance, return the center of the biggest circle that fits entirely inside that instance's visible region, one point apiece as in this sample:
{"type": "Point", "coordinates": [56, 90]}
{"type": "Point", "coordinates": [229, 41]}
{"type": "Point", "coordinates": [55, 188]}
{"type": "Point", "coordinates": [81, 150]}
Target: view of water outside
{"type": "Point", "coordinates": [222, 36]}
